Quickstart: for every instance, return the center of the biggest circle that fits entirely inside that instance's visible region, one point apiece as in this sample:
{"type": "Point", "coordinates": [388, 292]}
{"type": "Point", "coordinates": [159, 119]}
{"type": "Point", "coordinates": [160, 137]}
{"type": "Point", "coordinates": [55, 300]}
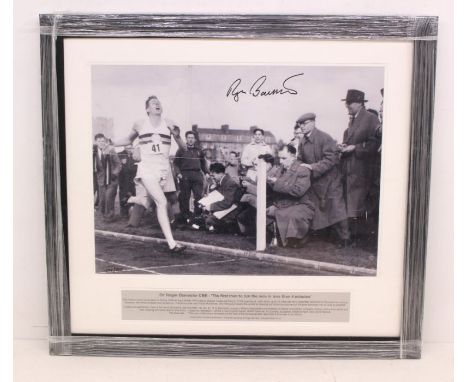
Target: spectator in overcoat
{"type": "Point", "coordinates": [107, 167]}
{"type": "Point", "coordinates": [358, 150]}
{"type": "Point", "coordinates": [292, 209]}
{"type": "Point", "coordinates": [318, 152]}
{"type": "Point", "coordinates": [126, 179]}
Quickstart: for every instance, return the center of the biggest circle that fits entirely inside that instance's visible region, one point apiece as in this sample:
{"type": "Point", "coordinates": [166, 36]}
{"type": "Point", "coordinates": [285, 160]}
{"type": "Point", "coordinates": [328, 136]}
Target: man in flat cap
{"type": "Point", "coordinates": [317, 150]}
{"type": "Point", "coordinates": [358, 150]}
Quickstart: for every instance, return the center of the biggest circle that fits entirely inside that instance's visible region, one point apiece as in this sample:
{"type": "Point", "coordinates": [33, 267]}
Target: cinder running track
{"type": "Point", "coordinates": [114, 255]}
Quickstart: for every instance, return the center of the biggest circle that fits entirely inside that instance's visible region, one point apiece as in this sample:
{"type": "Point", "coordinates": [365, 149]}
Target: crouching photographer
{"type": "Point", "coordinates": [220, 215]}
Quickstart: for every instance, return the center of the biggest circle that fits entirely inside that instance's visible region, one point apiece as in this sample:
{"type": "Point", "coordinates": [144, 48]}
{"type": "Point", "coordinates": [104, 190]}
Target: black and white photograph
{"type": "Point", "coordinates": [236, 169]}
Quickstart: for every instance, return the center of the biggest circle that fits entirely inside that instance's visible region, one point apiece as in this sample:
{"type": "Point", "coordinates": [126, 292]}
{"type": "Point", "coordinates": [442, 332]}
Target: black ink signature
{"type": "Point", "coordinates": [256, 90]}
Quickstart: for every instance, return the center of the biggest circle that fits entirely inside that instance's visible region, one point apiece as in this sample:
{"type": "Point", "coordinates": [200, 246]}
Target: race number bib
{"type": "Point", "coordinates": [156, 148]}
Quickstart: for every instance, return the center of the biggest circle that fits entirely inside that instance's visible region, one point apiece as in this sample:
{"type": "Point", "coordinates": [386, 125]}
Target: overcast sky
{"type": "Point", "coordinates": [197, 95]}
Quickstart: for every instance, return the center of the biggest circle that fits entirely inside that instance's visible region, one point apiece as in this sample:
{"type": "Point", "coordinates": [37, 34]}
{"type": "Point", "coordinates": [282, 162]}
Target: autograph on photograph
{"type": "Point", "coordinates": [257, 89]}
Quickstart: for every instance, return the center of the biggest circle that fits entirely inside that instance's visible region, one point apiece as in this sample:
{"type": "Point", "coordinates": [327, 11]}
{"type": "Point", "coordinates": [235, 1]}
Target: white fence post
{"type": "Point", "coordinates": [261, 205]}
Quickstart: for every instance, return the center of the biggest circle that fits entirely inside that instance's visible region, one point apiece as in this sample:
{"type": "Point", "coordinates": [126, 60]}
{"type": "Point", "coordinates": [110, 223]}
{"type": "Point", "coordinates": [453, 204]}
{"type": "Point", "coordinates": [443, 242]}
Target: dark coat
{"type": "Point", "coordinates": [356, 166]}
{"type": "Point", "coordinates": [231, 192]}
{"type": "Point", "coordinates": [127, 175]}
{"type": "Point", "coordinates": [294, 211]}
{"type": "Point", "coordinates": [108, 168]}
{"type": "Point", "coordinates": [233, 172]}
{"type": "Point", "coordinates": [291, 186]}
{"type": "Point", "coordinates": [251, 189]}
{"type": "Point", "coordinates": [326, 192]}
{"type": "Point", "coordinates": [190, 159]}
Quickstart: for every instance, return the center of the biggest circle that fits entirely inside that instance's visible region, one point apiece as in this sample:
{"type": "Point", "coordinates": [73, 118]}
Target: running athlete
{"type": "Point", "coordinates": [154, 169]}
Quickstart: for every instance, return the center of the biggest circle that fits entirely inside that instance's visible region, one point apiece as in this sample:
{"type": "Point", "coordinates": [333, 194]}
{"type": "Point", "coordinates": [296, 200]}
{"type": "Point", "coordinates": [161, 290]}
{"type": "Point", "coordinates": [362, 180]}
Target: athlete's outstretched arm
{"type": "Point", "coordinates": [128, 140]}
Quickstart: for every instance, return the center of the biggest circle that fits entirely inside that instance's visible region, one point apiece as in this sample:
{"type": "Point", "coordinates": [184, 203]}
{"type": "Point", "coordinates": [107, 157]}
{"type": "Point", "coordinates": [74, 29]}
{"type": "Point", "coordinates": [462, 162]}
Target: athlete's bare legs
{"type": "Point", "coordinates": [156, 193]}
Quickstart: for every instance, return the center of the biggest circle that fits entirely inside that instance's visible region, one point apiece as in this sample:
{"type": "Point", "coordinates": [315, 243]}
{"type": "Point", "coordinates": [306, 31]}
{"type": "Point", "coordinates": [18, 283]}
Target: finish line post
{"type": "Point", "coordinates": [261, 205]}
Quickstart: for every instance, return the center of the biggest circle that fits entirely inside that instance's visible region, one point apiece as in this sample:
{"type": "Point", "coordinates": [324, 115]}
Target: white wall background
{"type": "Point", "coordinates": [30, 306]}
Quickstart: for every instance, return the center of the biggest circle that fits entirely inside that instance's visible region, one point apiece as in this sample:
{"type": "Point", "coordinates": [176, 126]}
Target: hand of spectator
{"type": "Point", "coordinates": [348, 148]}
{"type": "Point", "coordinates": [179, 176]}
{"type": "Point", "coordinates": [271, 179]}
{"type": "Point", "coordinates": [309, 166]}
{"type": "Point", "coordinates": [249, 179]}
{"type": "Point", "coordinates": [271, 211]}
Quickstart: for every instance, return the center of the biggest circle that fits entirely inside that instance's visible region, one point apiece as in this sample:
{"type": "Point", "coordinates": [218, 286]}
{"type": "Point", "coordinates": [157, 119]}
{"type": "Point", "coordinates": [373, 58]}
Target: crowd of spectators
{"type": "Point", "coordinates": [315, 186]}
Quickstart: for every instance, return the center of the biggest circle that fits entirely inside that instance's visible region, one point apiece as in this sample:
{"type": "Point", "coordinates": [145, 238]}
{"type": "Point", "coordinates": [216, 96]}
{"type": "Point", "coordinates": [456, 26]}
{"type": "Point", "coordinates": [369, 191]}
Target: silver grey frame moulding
{"type": "Point", "coordinates": [55, 27]}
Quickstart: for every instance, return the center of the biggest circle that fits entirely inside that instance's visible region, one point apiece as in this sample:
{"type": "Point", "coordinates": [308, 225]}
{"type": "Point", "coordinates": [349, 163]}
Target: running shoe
{"type": "Point", "coordinates": [179, 248]}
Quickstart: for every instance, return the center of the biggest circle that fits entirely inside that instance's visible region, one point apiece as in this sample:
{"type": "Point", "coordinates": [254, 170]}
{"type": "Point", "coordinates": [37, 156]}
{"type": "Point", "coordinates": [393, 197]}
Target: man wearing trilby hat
{"type": "Point", "coordinates": [358, 150]}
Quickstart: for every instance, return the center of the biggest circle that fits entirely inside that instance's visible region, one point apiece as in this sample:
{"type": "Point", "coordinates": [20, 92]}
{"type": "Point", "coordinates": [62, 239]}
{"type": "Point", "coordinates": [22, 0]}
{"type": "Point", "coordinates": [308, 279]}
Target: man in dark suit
{"type": "Point", "coordinates": [126, 179]}
{"type": "Point", "coordinates": [358, 151]}
{"type": "Point", "coordinates": [107, 167]}
{"type": "Point", "coordinates": [292, 209]}
{"type": "Point", "coordinates": [231, 193]}
{"type": "Point", "coordinates": [190, 165]}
